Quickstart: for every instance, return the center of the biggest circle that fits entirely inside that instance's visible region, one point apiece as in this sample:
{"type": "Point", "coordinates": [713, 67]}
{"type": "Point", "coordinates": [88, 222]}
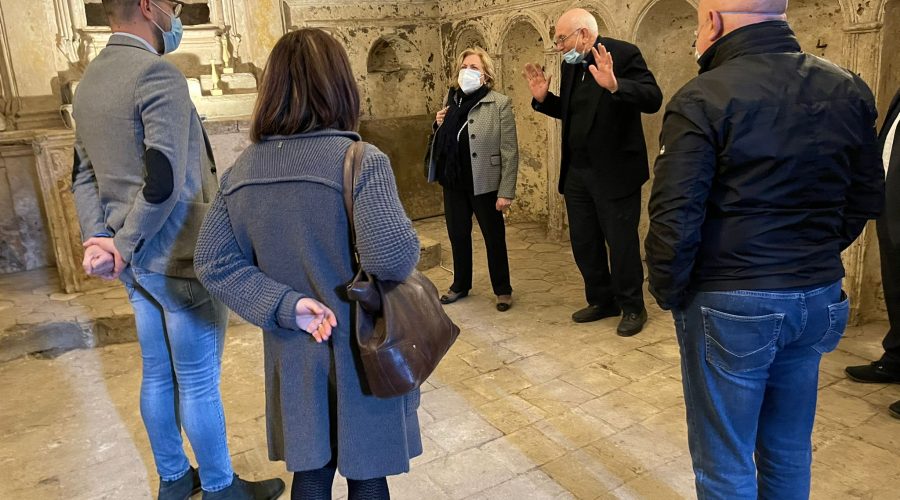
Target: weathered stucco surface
{"type": "Point", "coordinates": [402, 53]}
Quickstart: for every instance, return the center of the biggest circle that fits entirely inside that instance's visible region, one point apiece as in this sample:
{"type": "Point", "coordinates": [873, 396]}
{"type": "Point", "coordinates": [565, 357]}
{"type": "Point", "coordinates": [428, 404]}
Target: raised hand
{"type": "Point", "coordinates": [315, 318]}
{"type": "Point", "coordinates": [602, 69]}
{"type": "Point", "coordinates": [538, 83]}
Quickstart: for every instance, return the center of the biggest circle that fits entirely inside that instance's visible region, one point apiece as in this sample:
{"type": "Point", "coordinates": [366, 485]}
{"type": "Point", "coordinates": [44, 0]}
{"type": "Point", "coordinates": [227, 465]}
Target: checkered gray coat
{"type": "Point", "coordinates": [494, 147]}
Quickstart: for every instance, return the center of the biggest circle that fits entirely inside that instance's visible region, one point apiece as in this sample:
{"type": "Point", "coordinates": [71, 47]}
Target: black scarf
{"type": "Point", "coordinates": [446, 139]}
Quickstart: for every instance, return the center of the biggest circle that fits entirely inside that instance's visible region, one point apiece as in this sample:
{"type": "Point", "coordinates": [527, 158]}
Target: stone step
{"type": "Point", "coordinates": [51, 336]}
{"type": "Point", "coordinates": [430, 255]}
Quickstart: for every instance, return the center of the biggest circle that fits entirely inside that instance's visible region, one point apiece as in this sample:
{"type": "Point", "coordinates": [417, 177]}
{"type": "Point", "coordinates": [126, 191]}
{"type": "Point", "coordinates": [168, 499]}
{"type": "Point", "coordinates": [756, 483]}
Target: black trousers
{"type": "Point", "coordinates": [595, 222]}
{"type": "Point", "coordinates": [459, 206]}
{"type": "Point", "coordinates": [890, 279]}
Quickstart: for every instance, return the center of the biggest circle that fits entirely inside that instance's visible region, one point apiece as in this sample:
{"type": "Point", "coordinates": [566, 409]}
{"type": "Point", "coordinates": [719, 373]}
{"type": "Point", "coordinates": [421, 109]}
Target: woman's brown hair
{"type": "Point", "coordinates": [307, 85]}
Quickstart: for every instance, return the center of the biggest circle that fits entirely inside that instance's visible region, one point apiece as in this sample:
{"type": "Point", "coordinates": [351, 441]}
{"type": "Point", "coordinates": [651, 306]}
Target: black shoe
{"type": "Point", "coordinates": [594, 313]}
{"type": "Point", "coordinates": [873, 373]}
{"type": "Point", "coordinates": [504, 302]}
{"type": "Point", "coordinates": [632, 323]}
{"type": "Point", "coordinates": [895, 409]}
{"type": "Point", "coordinates": [269, 489]}
{"type": "Point", "coordinates": [451, 296]}
{"type": "Point", "coordinates": [182, 488]}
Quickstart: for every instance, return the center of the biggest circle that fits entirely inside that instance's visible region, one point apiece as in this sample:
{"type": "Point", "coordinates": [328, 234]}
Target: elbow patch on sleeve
{"type": "Point", "coordinates": [159, 181]}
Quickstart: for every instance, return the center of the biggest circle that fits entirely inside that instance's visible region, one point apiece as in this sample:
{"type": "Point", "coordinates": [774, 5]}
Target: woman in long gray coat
{"type": "Point", "coordinates": [274, 248]}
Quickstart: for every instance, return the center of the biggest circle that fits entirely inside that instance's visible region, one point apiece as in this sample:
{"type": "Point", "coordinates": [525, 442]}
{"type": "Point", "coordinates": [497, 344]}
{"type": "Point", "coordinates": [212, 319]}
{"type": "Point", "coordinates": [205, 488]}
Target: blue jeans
{"type": "Point", "coordinates": [181, 331]}
{"type": "Point", "coordinates": [750, 369]}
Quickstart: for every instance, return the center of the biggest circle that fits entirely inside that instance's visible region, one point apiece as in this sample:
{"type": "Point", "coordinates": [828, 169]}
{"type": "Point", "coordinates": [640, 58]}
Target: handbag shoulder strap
{"type": "Point", "coordinates": [352, 166]}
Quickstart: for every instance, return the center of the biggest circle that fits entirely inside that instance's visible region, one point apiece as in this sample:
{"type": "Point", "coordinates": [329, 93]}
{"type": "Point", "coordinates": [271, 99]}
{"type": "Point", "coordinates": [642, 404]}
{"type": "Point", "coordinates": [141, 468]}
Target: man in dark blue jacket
{"type": "Point", "coordinates": [769, 168]}
{"type": "Point", "coordinates": [887, 369]}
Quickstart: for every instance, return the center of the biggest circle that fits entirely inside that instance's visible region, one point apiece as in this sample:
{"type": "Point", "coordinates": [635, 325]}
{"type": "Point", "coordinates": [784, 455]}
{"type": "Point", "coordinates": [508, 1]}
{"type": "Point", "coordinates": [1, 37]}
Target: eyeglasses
{"type": "Point", "coordinates": [560, 41]}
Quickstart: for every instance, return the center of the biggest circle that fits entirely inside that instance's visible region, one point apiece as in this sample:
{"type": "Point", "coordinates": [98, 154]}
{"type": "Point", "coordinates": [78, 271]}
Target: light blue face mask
{"type": "Point", "coordinates": [172, 38]}
{"type": "Point", "coordinates": [573, 56]}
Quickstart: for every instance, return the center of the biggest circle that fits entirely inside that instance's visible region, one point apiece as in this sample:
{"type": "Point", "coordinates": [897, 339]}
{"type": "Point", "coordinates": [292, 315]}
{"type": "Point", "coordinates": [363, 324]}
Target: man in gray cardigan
{"type": "Point", "coordinates": [143, 178]}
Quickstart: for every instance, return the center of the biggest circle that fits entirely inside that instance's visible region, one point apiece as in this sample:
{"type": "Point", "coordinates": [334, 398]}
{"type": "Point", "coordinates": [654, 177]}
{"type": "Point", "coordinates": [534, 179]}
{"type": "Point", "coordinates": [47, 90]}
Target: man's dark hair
{"type": "Point", "coordinates": [120, 10]}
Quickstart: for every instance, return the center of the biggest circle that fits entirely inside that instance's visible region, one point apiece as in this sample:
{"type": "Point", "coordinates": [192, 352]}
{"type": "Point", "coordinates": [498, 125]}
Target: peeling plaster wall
{"type": "Point", "coordinates": [410, 27]}
{"type": "Point", "coordinates": [873, 299]}
{"type": "Point", "coordinates": [32, 53]}
{"type": "Point", "coordinates": [890, 56]}
{"type": "Point", "coordinates": [817, 24]}
{"type": "Point", "coordinates": [24, 238]}
{"type": "Point", "coordinates": [402, 52]}
{"type": "Point", "coordinates": [395, 52]}
{"type": "Point", "coordinates": [523, 44]}
{"type": "Point", "coordinates": [666, 38]}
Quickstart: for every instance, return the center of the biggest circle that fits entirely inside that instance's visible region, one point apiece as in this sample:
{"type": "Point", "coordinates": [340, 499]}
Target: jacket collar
{"type": "Point", "coordinates": [769, 37]}
{"type": "Point", "coordinates": [128, 41]}
{"type": "Point", "coordinates": [328, 132]}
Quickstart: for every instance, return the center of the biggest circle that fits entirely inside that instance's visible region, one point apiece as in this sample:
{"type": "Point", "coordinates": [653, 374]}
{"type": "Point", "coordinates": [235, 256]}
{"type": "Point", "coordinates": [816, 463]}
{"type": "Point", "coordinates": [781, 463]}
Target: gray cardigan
{"type": "Point", "coordinates": [143, 170]}
{"type": "Point", "coordinates": [278, 232]}
{"type": "Point", "coordinates": [494, 147]}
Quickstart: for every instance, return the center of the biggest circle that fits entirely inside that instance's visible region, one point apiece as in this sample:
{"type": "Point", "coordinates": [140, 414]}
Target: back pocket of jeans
{"type": "Point", "coordinates": [740, 343]}
{"type": "Point", "coordinates": [838, 317]}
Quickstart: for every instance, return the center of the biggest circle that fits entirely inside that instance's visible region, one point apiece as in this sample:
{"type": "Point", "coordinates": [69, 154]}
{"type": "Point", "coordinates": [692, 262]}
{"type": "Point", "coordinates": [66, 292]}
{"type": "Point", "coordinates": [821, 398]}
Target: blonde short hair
{"type": "Point", "coordinates": [486, 62]}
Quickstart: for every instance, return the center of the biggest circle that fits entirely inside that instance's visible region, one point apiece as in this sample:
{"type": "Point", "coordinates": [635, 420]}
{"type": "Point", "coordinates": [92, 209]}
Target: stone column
{"type": "Point", "coordinates": [53, 152]}
{"type": "Point", "coordinates": [556, 208]}
{"type": "Point", "coordinates": [862, 55]}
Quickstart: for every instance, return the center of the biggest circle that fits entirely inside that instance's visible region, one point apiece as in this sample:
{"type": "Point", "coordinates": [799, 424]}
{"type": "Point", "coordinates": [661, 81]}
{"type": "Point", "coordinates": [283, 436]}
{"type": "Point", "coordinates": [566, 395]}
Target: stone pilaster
{"type": "Point", "coordinates": [862, 55]}
{"type": "Point", "coordinates": [53, 153]}
{"type": "Point", "coordinates": [556, 207]}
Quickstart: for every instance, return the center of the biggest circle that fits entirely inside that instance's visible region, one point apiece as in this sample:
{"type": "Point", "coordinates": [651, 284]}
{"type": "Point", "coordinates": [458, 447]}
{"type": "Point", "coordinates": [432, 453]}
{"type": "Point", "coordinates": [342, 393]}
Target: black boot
{"type": "Point", "coordinates": [182, 488]}
{"type": "Point", "coordinates": [895, 409]}
{"type": "Point", "coordinates": [269, 489]}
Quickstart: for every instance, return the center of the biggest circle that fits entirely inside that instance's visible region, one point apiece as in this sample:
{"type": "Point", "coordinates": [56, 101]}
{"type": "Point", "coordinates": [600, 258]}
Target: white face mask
{"type": "Point", "coordinates": [469, 80]}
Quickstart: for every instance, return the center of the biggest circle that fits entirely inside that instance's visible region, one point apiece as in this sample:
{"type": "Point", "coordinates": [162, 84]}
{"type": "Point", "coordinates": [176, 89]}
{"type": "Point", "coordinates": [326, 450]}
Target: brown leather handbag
{"type": "Point", "coordinates": [400, 326]}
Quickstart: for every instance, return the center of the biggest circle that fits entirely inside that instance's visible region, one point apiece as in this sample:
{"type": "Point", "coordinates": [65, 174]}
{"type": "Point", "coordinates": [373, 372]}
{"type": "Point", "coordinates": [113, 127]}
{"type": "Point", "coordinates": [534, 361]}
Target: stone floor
{"type": "Point", "coordinates": [526, 405]}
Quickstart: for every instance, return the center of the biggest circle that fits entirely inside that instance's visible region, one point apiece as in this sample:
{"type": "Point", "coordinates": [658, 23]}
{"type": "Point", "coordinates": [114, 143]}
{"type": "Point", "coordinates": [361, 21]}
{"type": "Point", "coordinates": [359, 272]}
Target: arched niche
{"type": "Point", "coordinates": [602, 27]}
{"type": "Point", "coordinates": [466, 38]}
{"type": "Point", "coordinates": [469, 37]}
{"type": "Point", "coordinates": [889, 81]}
{"type": "Point", "coordinates": [392, 54]}
{"type": "Point", "coordinates": [521, 44]}
{"type": "Point", "coordinates": [818, 25]}
{"type": "Point", "coordinates": [665, 36]}
{"type": "Point", "coordinates": [394, 79]}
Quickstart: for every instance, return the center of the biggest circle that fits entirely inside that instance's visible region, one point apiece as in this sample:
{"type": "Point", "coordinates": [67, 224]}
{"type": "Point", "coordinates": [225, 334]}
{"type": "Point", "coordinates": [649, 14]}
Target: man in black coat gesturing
{"type": "Point", "coordinates": [604, 161]}
{"type": "Point", "coordinates": [887, 369]}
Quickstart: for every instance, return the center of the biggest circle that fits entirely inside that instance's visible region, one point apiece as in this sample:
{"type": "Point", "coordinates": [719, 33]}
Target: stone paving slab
{"type": "Point", "coordinates": [527, 405]}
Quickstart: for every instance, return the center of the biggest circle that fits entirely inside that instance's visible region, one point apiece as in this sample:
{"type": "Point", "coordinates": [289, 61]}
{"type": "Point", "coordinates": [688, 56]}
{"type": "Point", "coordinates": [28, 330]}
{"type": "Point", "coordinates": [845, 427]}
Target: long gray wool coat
{"type": "Point", "coordinates": [277, 232]}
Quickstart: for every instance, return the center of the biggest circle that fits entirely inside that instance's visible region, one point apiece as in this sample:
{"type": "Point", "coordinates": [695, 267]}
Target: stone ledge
{"type": "Point", "coordinates": [86, 325]}
{"type": "Point", "coordinates": [430, 255]}
{"type": "Point", "coordinates": [50, 340]}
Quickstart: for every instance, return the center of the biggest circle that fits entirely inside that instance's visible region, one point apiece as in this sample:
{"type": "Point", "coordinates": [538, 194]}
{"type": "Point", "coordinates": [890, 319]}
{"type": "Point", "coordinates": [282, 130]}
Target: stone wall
{"type": "Point", "coordinates": [666, 38]}
{"type": "Point", "coordinates": [37, 214]}
{"type": "Point", "coordinates": [402, 52]}
{"type": "Point", "coordinates": [24, 237]}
